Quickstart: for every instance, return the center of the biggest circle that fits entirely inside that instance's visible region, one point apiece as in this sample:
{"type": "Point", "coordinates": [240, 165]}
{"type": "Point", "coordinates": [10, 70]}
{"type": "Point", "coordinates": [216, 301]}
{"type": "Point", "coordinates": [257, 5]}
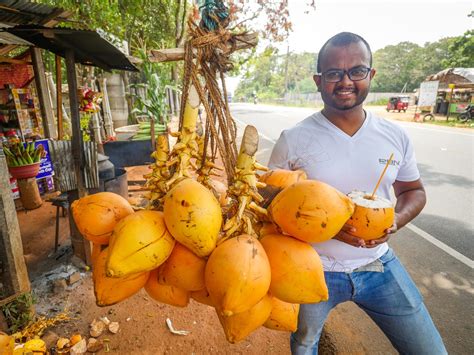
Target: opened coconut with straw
{"type": "Point", "coordinates": [373, 214]}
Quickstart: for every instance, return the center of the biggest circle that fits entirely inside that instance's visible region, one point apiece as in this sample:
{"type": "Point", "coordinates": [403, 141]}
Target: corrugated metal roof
{"type": "Point", "coordinates": [21, 12]}
{"type": "Point", "coordinates": [88, 46]}
{"type": "Point", "coordinates": [468, 73]}
{"type": "Point", "coordinates": [453, 75]}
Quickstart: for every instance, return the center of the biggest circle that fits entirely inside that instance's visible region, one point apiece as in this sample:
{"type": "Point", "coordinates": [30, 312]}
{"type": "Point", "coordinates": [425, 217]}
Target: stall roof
{"type": "Point", "coordinates": [22, 12]}
{"type": "Point", "coordinates": [88, 46]}
{"type": "Point", "coordinates": [454, 76]}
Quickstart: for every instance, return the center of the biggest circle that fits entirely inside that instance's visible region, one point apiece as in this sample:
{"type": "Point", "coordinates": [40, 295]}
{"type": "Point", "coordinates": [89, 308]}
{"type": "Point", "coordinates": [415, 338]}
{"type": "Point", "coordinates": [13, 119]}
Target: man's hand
{"type": "Point", "coordinates": [388, 232]}
{"type": "Point", "coordinates": [345, 236]}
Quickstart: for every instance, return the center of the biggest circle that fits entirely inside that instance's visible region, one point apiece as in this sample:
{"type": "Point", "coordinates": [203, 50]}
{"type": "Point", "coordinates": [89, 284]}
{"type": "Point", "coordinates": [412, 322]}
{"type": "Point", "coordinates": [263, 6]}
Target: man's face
{"type": "Point", "coordinates": [345, 94]}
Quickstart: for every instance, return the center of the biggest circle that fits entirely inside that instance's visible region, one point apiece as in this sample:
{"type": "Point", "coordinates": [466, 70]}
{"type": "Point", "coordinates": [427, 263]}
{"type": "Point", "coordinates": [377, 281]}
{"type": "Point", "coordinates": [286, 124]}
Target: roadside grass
{"type": "Point", "coordinates": [379, 102]}
{"type": "Point", "coordinates": [451, 123]}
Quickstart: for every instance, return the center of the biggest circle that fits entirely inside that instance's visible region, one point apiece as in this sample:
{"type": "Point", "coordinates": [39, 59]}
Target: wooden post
{"type": "Point", "coordinates": [77, 153]}
{"type": "Point", "coordinates": [14, 276]}
{"type": "Point", "coordinates": [59, 97]}
{"type": "Point", "coordinates": [76, 141]}
{"type": "Point", "coordinates": [43, 93]}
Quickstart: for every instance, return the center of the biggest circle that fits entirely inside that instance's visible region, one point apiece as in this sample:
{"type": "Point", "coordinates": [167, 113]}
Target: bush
{"type": "Point", "coordinates": [380, 102]}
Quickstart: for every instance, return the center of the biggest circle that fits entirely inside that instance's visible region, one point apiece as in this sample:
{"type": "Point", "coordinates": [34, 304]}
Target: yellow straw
{"type": "Point", "coordinates": [381, 176]}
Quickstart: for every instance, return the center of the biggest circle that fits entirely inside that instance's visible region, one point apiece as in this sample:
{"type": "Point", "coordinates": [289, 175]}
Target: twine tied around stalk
{"type": "Point", "coordinates": [207, 55]}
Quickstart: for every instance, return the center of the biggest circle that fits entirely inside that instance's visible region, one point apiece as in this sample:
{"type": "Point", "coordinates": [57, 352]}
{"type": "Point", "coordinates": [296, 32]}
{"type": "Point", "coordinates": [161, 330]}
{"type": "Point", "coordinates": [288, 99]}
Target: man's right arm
{"type": "Point", "coordinates": [279, 159]}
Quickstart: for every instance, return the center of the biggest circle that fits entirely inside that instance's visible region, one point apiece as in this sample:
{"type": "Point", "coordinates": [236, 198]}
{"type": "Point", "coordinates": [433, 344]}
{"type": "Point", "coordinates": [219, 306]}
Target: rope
{"type": "Point", "coordinates": [207, 56]}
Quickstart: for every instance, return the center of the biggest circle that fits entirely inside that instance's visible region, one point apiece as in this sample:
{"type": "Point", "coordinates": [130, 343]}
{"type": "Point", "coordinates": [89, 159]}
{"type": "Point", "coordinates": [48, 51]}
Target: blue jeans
{"type": "Point", "coordinates": [390, 298]}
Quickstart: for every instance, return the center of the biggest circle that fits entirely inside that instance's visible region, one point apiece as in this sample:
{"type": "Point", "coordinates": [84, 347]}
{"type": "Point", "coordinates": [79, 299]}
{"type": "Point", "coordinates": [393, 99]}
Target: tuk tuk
{"type": "Point", "coordinates": [397, 103]}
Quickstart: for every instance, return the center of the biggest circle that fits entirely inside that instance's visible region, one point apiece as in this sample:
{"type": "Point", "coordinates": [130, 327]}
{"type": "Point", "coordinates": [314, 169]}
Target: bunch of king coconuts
{"type": "Point", "coordinates": [180, 250]}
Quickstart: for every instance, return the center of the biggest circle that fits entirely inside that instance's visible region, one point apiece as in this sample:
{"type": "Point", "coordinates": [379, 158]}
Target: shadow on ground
{"type": "Point", "coordinates": [442, 229]}
{"type": "Point", "coordinates": [432, 177]}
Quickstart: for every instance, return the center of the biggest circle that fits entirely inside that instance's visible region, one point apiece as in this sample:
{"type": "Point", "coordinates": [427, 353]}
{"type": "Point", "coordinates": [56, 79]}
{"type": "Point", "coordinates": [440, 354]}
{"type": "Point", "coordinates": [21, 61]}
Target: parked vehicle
{"type": "Point", "coordinates": [468, 114]}
{"type": "Point", "coordinates": [397, 103]}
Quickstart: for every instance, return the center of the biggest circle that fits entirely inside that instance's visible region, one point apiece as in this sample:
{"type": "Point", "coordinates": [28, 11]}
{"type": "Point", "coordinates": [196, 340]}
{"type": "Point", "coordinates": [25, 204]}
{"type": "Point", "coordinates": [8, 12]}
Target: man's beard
{"type": "Point", "coordinates": [331, 102]}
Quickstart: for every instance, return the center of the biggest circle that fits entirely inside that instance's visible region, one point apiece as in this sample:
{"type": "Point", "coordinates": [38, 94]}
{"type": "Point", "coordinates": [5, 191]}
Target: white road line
{"type": "Point", "coordinates": [434, 130]}
{"type": "Point", "coordinates": [441, 245]}
{"type": "Point", "coordinates": [260, 134]}
{"type": "Point", "coordinates": [455, 254]}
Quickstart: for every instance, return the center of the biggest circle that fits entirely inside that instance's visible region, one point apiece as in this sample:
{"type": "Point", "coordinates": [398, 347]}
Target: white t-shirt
{"type": "Point", "coordinates": [347, 163]}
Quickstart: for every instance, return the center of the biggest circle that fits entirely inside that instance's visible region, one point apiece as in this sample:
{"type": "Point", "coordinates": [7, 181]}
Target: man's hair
{"type": "Point", "coordinates": [341, 40]}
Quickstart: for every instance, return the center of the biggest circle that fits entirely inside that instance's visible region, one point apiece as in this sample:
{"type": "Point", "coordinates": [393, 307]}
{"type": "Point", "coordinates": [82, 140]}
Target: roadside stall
{"type": "Point", "coordinates": [455, 91]}
{"type": "Point", "coordinates": [27, 121]}
{"type": "Point", "coordinates": [24, 114]}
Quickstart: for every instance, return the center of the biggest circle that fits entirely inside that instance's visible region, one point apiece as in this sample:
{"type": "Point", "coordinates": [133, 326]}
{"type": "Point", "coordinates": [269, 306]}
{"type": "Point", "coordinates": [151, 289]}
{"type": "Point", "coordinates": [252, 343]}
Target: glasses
{"type": "Point", "coordinates": [354, 74]}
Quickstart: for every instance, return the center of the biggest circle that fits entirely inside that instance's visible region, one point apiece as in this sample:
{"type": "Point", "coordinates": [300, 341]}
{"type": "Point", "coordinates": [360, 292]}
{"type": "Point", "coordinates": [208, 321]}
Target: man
{"type": "Point", "coordinates": [347, 147]}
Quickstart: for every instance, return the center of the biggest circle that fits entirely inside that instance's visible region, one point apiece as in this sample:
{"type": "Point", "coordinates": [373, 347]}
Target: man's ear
{"type": "Point", "coordinates": [372, 73]}
{"type": "Point", "coordinates": [317, 80]}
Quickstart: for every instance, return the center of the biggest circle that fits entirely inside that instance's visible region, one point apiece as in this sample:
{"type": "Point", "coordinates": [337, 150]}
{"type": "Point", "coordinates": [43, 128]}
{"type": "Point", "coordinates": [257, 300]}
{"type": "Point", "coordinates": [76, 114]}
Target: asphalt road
{"type": "Point", "coordinates": [437, 248]}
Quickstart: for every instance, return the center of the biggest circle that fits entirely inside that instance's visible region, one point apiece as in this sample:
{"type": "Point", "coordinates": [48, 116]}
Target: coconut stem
{"type": "Point", "coordinates": [244, 188]}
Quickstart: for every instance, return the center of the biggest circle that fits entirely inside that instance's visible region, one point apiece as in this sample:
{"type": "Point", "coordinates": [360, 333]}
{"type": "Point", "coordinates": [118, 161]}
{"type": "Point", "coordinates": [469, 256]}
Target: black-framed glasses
{"type": "Point", "coordinates": [354, 74]}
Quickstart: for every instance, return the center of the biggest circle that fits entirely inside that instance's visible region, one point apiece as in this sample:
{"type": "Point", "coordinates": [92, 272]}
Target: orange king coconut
{"type": "Point", "coordinates": [372, 215]}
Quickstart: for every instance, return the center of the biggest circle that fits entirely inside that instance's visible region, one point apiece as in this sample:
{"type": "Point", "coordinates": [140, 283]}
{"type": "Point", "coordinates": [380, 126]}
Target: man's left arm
{"type": "Point", "coordinates": [411, 198]}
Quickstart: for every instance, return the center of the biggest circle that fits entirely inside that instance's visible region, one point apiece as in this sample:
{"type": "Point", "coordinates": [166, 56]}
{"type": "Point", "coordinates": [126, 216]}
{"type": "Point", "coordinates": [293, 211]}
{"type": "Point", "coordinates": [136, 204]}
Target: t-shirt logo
{"type": "Point", "coordinates": [384, 161]}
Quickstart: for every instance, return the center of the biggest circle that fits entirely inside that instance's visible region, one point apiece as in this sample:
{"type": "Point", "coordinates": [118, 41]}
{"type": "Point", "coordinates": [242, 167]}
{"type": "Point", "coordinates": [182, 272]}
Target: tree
{"type": "Point", "coordinates": [461, 52]}
{"type": "Point", "coordinates": [265, 75]}
{"type": "Point", "coordinates": [274, 16]}
{"type": "Point", "coordinates": [397, 66]}
{"type": "Point", "coordinates": [262, 77]}
{"type": "Point", "coordinates": [407, 63]}
{"type": "Point", "coordinates": [301, 68]}
{"type": "Point", "coordinates": [434, 55]}
{"type": "Point", "coordinates": [149, 22]}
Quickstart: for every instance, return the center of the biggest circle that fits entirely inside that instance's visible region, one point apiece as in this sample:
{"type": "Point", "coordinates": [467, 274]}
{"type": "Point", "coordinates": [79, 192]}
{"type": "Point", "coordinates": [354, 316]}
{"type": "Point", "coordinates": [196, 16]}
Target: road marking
{"type": "Point", "coordinates": [260, 134]}
{"type": "Point", "coordinates": [408, 125]}
{"type": "Point", "coordinates": [441, 245]}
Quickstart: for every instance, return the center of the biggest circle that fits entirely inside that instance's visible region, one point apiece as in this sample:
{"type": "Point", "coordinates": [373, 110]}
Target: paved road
{"type": "Point", "coordinates": [438, 247]}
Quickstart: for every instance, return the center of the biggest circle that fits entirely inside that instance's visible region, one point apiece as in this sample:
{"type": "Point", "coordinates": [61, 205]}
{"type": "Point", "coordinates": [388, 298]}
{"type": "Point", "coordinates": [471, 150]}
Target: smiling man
{"type": "Point", "coordinates": [347, 147]}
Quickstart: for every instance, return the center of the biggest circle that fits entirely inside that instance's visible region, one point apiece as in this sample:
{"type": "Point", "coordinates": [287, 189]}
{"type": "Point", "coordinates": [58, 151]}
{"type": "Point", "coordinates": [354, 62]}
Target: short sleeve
{"type": "Point", "coordinates": [409, 170]}
{"type": "Point", "coordinates": [279, 159]}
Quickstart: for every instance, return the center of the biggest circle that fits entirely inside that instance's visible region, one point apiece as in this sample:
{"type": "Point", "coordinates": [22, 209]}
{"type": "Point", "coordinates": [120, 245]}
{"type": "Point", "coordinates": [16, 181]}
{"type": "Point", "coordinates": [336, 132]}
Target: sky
{"type": "Point", "coordinates": [380, 22]}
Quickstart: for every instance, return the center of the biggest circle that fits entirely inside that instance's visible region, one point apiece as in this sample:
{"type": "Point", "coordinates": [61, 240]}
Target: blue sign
{"type": "Point", "coordinates": [46, 165]}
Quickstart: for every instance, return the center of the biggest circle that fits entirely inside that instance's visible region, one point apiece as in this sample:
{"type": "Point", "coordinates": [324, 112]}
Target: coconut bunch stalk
{"type": "Point", "coordinates": [156, 180]}
{"type": "Point", "coordinates": [244, 212]}
{"type": "Point", "coordinates": [205, 162]}
{"type": "Point", "coordinates": [186, 148]}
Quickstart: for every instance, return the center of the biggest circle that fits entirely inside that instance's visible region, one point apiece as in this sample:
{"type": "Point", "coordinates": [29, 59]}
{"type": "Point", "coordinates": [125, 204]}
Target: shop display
{"type": "Point", "coordinates": [19, 113]}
